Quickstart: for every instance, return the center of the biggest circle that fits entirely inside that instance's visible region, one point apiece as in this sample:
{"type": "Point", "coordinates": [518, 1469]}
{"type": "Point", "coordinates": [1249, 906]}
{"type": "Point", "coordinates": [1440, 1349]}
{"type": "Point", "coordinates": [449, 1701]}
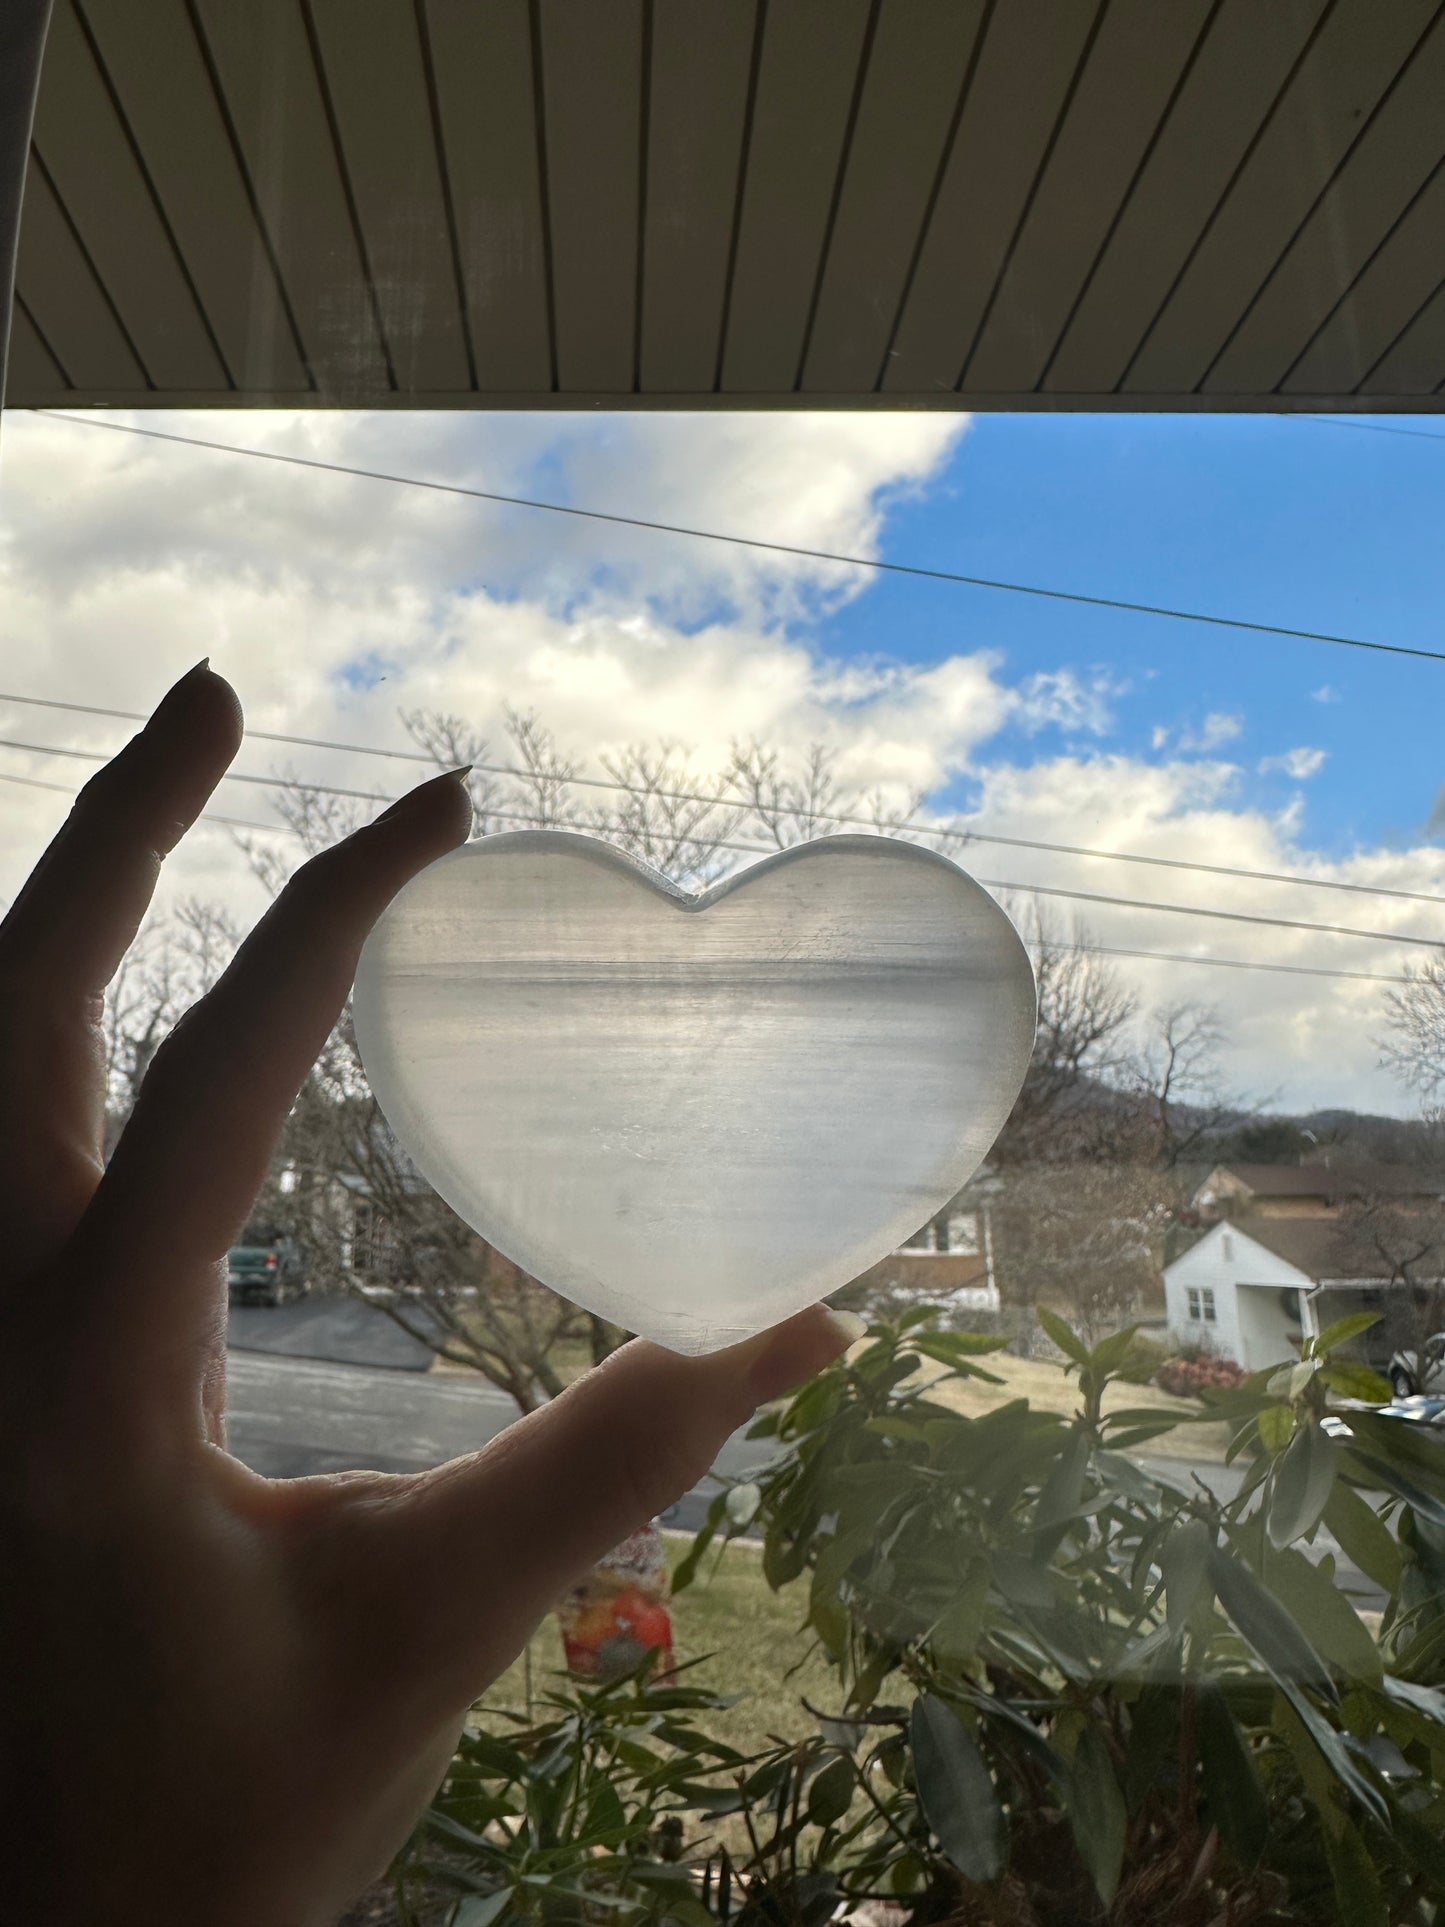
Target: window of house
{"type": "Point", "coordinates": [1201, 1305]}
{"type": "Point", "coordinates": [960, 1233]}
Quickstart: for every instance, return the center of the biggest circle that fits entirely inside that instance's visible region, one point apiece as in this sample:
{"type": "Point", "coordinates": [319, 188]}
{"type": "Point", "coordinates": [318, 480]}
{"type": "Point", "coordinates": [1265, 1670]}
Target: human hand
{"type": "Point", "coordinates": [224, 1699]}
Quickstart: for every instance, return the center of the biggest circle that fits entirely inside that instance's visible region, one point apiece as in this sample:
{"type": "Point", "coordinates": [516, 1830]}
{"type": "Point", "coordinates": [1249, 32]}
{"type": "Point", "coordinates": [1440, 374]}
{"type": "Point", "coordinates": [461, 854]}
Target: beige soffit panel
{"type": "Point", "coordinates": [1210, 204]}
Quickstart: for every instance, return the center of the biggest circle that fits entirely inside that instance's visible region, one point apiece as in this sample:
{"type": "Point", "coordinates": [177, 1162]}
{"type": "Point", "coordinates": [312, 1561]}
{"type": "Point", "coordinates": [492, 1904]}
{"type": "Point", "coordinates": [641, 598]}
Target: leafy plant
{"type": "Point", "coordinates": [578, 1814]}
{"type": "Point", "coordinates": [1123, 1698]}
{"type": "Point", "coordinates": [1070, 1689]}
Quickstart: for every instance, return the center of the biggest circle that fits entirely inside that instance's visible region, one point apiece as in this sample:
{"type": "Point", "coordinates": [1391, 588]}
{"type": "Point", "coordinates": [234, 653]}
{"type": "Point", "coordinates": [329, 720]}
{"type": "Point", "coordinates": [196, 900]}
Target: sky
{"type": "Point", "coordinates": [334, 602]}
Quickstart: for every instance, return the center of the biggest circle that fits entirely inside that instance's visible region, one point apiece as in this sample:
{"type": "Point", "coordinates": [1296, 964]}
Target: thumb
{"type": "Point", "coordinates": [487, 1544]}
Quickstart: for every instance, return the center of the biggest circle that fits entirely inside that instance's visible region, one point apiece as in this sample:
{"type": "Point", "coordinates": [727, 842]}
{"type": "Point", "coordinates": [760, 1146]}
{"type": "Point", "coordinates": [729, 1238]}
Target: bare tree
{"type": "Point", "coordinates": [1084, 1237]}
{"type": "Point", "coordinates": [371, 1223]}
{"type": "Point", "coordinates": [1069, 1107]}
{"type": "Point", "coordinates": [783, 807]}
{"type": "Point", "coordinates": [1179, 1083]}
{"type": "Point", "coordinates": [1396, 1237]}
{"type": "Point", "coordinates": [175, 960]}
{"type": "Point", "coordinates": [1113, 1099]}
{"type": "Point", "coordinates": [1412, 1043]}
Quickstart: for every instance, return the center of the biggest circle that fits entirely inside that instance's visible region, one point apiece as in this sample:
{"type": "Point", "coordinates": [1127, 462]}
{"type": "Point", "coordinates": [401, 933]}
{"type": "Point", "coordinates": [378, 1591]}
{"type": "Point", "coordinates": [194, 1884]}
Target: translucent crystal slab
{"type": "Point", "coordinates": [694, 1115]}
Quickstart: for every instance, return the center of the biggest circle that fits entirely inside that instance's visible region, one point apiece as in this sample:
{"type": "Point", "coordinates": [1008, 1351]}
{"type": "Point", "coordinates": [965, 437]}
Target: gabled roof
{"type": "Point", "coordinates": [813, 203]}
{"type": "Point", "coordinates": [1312, 1245]}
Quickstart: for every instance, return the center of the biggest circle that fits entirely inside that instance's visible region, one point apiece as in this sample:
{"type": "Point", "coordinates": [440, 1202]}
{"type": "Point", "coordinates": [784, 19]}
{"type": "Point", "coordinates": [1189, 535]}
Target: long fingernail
{"type": "Point", "coordinates": [796, 1350]}
{"type": "Point", "coordinates": [174, 711]}
{"type": "Point", "coordinates": [457, 776]}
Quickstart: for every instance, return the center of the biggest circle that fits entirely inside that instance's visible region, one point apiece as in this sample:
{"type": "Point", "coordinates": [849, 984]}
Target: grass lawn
{"type": "Point", "coordinates": [753, 1646]}
{"type": "Point", "coordinates": [1046, 1388]}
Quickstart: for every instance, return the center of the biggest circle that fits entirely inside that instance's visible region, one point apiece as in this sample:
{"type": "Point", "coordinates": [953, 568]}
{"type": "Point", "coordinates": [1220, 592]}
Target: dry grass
{"type": "Point", "coordinates": [1048, 1389]}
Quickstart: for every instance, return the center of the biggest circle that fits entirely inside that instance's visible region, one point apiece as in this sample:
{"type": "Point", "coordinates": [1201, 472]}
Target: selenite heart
{"type": "Point", "coordinates": [694, 1115]}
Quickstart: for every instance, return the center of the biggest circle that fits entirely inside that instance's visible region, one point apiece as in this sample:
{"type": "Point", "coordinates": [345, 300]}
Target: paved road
{"type": "Point", "coordinates": [290, 1416]}
{"type": "Point", "coordinates": [1225, 1480]}
{"type": "Point", "coordinates": [347, 1331]}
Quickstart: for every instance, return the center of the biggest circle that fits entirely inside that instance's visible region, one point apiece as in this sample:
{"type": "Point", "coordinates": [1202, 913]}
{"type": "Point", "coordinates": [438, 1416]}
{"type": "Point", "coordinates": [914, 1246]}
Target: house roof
{"type": "Point", "coordinates": [1311, 1245]}
{"type": "Point", "coordinates": [1334, 1181]}
{"type": "Point", "coordinates": [920, 203]}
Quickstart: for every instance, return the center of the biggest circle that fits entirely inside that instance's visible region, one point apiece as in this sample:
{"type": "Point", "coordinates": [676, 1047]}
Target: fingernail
{"type": "Point", "coordinates": [796, 1350]}
{"type": "Point", "coordinates": [173, 710]}
{"type": "Point", "coordinates": [403, 802]}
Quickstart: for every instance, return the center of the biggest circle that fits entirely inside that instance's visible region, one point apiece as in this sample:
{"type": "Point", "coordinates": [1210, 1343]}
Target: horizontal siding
{"type": "Point", "coordinates": [1247, 1268]}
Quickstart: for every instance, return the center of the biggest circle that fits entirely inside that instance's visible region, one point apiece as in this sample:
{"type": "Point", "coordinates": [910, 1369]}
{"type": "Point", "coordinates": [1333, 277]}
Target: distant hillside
{"type": "Point", "coordinates": [1282, 1138]}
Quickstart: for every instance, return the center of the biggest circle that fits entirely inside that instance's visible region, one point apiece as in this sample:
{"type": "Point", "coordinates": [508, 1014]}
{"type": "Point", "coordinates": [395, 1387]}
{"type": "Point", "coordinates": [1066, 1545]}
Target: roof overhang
{"type": "Point", "coordinates": [1205, 205]}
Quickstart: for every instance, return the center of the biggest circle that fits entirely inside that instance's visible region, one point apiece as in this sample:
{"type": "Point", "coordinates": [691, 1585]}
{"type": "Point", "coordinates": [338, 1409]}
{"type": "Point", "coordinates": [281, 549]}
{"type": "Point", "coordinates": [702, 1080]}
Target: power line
{"type": "Point", "coordinates": [1374, 428]}
{"type": "Point", "coordinates": [756, 849]}
{"type": "Point", "coordinates": [1239, 963]}
{"type": "Point", "coordinates": [1202, 910]}
{"type": "Point", "coordinates": [64, 789]}
{"type": "Point", "coordinates": [1103, 950]}
{"type": "Point", "coordinates": [756, 542]}
{"type": "Point", "coordinates": [817, 816]}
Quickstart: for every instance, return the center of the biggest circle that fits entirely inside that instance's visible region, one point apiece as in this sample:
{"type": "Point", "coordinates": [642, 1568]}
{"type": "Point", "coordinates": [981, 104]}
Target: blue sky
{"type": "Point", "coordinates": [1295, 522]}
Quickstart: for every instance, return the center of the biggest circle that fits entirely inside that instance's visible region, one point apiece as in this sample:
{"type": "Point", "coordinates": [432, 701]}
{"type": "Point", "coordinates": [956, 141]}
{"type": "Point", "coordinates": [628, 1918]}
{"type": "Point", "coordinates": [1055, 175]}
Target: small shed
{"type": "Point", "coordinates": [1252, 1291]}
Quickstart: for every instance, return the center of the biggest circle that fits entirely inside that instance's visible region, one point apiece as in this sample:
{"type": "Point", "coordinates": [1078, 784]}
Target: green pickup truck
{"type": "Point", "coordinates": [267, 1269]}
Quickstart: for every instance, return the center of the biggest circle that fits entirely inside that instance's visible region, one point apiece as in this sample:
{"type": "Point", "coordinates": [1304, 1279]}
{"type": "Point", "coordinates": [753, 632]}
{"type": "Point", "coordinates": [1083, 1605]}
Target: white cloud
{"type": "Point", "coordinates": [1300, 764]}
{"type": "Point", "coordinates": [1159, 736]}
{"type": "Point", "coordinates": [1062, 699]}
{"type": "Point", "coordinates": [1326, 693]}
{"type": "Point", "coordinates": [1216, 730]}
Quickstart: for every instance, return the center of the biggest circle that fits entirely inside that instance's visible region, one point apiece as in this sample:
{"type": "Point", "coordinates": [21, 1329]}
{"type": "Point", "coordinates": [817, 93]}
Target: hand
{"type": "Point", "coordinates": [224, 1699]}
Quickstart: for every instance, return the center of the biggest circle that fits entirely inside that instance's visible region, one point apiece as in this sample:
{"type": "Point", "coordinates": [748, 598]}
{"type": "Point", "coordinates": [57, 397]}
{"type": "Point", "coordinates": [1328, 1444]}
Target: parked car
{"type": "Point", "coordinates": [1415, 1410]}
{"type": "Point", "coordinates": [267, 1269]}
{"type": "Point", "coordinates": [1410, 1376]}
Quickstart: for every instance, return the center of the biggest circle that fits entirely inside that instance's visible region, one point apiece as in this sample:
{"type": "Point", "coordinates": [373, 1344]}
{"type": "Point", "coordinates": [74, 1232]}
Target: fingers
{"type": "Point", "coordinates": [62, 940]}
{"type": "Point", "coordinates": [197, 1145]}
{"type": "Point", "coordinates": [485, 1546]}
{"type": "Point", "coordinates": [76, 917]}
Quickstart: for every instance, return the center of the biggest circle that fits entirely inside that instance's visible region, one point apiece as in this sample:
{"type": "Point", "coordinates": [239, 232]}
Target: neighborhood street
{"type": "Point", "coordinates": [290, 1416]}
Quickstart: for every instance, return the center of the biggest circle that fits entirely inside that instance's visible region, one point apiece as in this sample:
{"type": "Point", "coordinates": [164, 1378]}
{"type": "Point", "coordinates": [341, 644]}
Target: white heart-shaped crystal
{"type": "Point", "coordinates": [694, 1115]}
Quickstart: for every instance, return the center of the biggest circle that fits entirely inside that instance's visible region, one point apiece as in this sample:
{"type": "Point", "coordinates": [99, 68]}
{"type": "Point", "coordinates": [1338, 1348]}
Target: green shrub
{"type": "Point", "coordinates": [1068, 1691]}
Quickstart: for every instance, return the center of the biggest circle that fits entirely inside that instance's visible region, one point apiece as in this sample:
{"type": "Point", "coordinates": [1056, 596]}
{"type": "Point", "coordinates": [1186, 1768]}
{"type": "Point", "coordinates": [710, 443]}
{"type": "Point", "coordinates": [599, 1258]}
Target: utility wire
{"type": "Point", "coordinates": [1238, 963]}
{"type": "Point", "coordinates": [818, 816]}
{"type": "Point", "coordinates": [1373, 428]}
{"type": "Point", "coordinates": [1101, 949]}
{"type": "Point", "coordinates": [756, 542]}
{"type": "Point", "coordinates": [206, 816]}
{"type": "Point", "coordinates": [761, 849]}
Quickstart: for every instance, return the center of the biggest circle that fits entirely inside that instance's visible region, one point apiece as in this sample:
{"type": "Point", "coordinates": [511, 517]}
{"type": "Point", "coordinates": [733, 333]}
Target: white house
{"type": "Point", "coordinates": [1251, 1294]}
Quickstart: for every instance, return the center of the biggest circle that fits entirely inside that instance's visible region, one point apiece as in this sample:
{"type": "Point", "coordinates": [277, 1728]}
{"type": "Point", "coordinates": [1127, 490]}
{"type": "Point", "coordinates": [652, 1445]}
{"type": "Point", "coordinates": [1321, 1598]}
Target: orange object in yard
{"type": "Point", "coordinates": [618, 1614]}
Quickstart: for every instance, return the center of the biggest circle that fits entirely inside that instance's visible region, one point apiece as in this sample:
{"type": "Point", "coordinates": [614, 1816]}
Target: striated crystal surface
{"type": "Point", "coordinates": [694, 1115]}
